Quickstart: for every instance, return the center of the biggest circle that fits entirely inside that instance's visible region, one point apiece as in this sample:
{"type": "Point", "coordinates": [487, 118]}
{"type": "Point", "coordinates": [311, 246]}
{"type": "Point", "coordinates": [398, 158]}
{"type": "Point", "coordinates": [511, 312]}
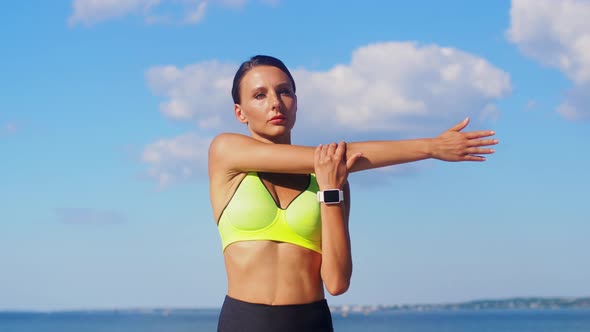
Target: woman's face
{"type": "Point", "coordinates": [267, 104]}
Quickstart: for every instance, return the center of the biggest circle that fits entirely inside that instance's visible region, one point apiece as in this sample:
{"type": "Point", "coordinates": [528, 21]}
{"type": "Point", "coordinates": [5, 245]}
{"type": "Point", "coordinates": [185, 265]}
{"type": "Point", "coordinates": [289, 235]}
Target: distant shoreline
{"type": "Point", "coordinates": [517, 303]}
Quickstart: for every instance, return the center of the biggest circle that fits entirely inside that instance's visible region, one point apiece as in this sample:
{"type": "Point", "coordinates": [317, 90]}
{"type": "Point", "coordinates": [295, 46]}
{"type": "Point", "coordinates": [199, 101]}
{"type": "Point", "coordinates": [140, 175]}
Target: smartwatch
{"type": "Point", "coordinates": [331, 196]}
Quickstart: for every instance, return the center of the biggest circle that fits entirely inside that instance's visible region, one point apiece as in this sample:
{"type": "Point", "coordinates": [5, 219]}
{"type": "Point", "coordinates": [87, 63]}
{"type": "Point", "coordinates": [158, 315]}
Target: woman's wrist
{"type": "Point", "coordinates": [429, 147]}
{"type": "Point", "coordinates": [329, 186]}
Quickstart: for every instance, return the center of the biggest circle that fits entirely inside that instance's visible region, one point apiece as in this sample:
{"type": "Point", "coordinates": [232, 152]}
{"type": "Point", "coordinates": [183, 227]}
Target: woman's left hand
{"type": "Point", "coordinates": [454, 145]}
{"type": "Point", "coordinates": [331, 166]}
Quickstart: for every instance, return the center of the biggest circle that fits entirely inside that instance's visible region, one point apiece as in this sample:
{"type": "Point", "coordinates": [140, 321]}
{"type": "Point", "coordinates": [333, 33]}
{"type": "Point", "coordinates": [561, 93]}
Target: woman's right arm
{"type": "Point", "coordinates": [235, 153]}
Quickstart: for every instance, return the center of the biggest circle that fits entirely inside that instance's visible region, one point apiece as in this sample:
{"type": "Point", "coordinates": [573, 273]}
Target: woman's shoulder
{"type": "Point", "coordinates": [223, 140]}
{"type": "Point", "coordinates": [223, 144]}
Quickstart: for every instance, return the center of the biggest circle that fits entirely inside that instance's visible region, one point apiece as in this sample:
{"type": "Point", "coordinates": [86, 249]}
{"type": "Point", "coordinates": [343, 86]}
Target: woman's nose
{"type": "Point", "coordinates": [275, 101]}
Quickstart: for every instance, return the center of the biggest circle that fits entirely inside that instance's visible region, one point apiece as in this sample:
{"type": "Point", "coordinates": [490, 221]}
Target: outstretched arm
{"type": "Point", "coordinates": [452, 145]}
{"type": "Point", "coordinates": [234, 153]}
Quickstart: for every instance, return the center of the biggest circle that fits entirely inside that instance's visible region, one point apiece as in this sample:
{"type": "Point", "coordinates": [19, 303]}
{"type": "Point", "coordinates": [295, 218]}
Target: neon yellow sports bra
{"type": "Point", "coordinates": [253, 214]}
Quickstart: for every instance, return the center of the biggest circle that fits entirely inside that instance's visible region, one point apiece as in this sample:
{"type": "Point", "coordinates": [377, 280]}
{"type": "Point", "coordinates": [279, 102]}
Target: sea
{"type": "Point", "coordinates": [554, 320]}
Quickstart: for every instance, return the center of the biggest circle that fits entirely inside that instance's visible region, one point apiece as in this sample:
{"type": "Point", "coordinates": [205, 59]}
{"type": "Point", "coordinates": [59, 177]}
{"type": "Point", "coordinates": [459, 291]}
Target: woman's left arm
{"type": "Point", "coordinates": [331, 169]}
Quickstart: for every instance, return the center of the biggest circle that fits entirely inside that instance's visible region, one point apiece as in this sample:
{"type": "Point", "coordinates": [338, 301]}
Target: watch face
{"type": "Point", "coordinates": [331, 196]}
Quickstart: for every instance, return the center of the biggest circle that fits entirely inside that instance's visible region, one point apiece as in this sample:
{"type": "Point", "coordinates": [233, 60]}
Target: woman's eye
{"type": "Point", "coordinates": [259, 95]}
{"type": "Point", "coordinates": [286, 92]}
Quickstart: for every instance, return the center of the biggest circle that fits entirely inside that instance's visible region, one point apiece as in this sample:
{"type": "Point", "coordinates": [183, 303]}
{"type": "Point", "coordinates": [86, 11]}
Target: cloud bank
{"type": "Point", "coordinates": [90, 12]}
{"type": "Point", "coordinates": [176, 159]}
{"type": "Point", "coordinates": [557, 34]}
{"type": "Point", "coordinates": [401, 86]}
{"type": "Point", "coordinates": [198, 92]}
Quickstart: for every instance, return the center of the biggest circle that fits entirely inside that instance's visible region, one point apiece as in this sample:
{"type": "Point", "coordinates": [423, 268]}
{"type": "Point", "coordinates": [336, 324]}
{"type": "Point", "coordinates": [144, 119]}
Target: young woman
{"type": "Point", "coordinates": [283, 243]}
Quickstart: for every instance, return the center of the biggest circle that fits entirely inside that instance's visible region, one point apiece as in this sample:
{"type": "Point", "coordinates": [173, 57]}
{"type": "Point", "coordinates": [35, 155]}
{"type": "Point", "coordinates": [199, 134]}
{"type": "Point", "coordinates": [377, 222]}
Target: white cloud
{"type": "Point", "coordinates": [196, 14]}
{"type": "Point", "coordinates": [176, 159]}
{"type": "Point", "coordinates": [400, 88]}
{"type": "Point", "coordinates": [154, 11]}
{"type": "Point", "coordinates": [93, 11]}
{"type": "Point", "coordinates": [199, 92]}
{"type": "Point", "coordinates": [388, 86]}
{"type": "Point", "coordinates": [89, 216]}
{"type": "Point", "coordinates": [557, 34]}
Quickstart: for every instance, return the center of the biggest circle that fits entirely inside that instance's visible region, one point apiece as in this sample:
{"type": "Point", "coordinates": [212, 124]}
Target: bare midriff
{"type": "Point", "coordinates": [273, 273]}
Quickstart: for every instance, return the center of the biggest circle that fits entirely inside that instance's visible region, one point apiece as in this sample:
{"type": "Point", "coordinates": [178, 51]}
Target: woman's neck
{"type": "Point", "coordinates": [286, 139]}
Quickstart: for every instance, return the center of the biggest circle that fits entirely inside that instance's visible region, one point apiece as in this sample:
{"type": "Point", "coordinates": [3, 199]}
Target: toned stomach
{"type": "Point", "coordinates": [273, 273]}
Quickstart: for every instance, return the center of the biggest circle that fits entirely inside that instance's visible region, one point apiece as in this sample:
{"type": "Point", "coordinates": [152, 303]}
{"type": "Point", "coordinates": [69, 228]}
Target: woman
{"type": "Point", "coordinates": [282, 241]}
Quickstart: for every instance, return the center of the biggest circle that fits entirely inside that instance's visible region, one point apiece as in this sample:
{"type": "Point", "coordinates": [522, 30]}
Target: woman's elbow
{"type": "Point", "coordinates": [338, 287]}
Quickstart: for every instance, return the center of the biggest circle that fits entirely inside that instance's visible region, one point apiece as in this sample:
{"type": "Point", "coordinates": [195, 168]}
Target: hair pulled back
{"type": "Point", "coordinates": [257, 60]}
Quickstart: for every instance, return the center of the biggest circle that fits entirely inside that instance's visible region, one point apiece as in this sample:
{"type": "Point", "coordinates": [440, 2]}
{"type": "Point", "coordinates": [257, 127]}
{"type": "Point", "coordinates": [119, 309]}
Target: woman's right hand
{"type": "Point", "coordinates": [331, 167]}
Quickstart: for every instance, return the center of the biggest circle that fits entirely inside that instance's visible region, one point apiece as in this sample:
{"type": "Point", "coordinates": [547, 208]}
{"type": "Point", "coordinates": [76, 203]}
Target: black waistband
{"type": "Point", "coordinates": [237, 315]}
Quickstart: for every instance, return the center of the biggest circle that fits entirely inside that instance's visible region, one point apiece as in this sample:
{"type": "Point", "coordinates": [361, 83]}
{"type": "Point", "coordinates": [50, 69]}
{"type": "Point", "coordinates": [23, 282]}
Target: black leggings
{"type": "Point", "coordinates": [240, 316]}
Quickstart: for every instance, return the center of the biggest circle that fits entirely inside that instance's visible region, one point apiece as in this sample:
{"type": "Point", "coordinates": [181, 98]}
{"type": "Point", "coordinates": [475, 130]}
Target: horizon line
{"type": "Point", "coordinates": [183, 308]}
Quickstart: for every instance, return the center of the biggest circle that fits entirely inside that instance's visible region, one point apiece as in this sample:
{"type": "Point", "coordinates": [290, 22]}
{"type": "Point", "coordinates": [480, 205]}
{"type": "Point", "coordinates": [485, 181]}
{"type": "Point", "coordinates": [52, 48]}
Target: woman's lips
{"type": "Point", "coordinates": [277, 119]}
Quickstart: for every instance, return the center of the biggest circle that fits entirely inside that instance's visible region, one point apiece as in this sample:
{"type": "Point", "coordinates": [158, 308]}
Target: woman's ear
{"type": "Point", "coordinates": [240, 113]}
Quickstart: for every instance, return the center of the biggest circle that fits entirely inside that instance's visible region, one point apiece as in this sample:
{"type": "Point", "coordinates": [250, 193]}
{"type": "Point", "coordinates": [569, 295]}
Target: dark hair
{"type": "Point", "coordinates": [257, 60]}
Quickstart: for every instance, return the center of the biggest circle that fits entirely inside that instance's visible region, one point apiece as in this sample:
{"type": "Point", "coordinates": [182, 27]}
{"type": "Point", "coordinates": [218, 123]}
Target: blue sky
{"type": "Point", "coordinates": [106, 110]}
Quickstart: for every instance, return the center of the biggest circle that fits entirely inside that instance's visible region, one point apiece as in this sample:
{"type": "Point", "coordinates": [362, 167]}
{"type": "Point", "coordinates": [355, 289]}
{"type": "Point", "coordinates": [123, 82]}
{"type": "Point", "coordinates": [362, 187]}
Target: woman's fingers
{"type": "Point", "coordinates": [340, 150]}
{"type": "Point", "coordinates": [472, 151]}
{"type": "Point", "coordinates": [335, 152]}
{"type": "Point", "coordinates": [454, 145]}
{"type": "Point", "coordinates": [482, 142]}
{"type": "Point", "coordinates": [473, 158]}
{"type": "Point", "coordinates": [331, 149]}
{"type": "Point", "coordinates": [479, 134]}
{"type": "Point", "coordinates": [317, 154]}
{"type": "Point", "coordinates": [459, 126]}
{"type": "Point", "coordinates": [350, 162]}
